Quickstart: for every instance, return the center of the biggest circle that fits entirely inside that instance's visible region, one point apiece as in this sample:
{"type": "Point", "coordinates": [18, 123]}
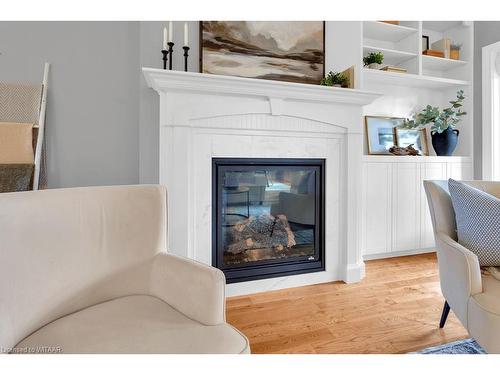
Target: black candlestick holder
{"type": "Point", "coordinates": [170, 50]}
{"type": "Point", "coordinates": [165, 58]}
{"type": "Point", "coordinates": [186, 55]}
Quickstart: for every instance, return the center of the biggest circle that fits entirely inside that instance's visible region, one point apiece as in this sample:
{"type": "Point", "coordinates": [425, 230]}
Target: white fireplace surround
{"type": "Point", "coordinates": [206, 116]}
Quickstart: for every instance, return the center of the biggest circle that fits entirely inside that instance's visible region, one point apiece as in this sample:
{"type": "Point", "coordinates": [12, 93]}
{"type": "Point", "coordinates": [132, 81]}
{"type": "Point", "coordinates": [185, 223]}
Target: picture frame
{"type": "Point", "coordinates": [254, 56]}
{"type": "Point", "coordinates": [416, 137]}
{"type": "Point", "coordinates": [425, 43]}
{"type": "Point", "coordinates": [380, 134]}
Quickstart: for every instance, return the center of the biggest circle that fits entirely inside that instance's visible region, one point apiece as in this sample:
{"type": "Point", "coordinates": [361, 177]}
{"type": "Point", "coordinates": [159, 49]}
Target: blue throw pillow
{"type": "Point", "coordinates": [478, 221]}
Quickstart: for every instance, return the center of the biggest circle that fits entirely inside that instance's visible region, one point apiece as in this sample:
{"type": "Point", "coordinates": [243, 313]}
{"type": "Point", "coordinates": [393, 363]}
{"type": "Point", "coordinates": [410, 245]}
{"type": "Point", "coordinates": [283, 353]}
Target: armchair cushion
{"type": "Point", "coordinates": [477, 216]}
{"type": "Point", "coordinates": [133, 324]}
{"type": "Point", "coordinates": [193, 288]}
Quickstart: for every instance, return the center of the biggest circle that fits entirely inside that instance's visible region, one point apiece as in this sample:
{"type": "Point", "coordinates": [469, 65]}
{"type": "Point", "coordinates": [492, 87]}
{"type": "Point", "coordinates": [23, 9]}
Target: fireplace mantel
{"type": "Point", "coordinates": [172, 80]}
{"type": "Point", "coordinates": [206, 116]}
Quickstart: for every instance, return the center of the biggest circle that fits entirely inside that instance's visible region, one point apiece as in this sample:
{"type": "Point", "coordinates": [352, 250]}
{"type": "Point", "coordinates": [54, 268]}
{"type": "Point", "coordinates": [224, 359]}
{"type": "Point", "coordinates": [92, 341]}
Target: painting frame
{"type": "Point", "coordinates": [374, 147]}
{"type": "Point", "coordinates": [425, 43]}
{"type": "Point", "coordinates": [424, 150]}
{"type": "Point", "coordinates": [200, 51]}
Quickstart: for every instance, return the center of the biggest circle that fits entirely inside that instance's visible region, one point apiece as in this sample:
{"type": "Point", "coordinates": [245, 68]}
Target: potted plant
{"type": "Point", "coordinates": [335, 79]}
{"type": "Point", "coordinates": [443, 132]}
{"type": "Point", "coordinates": [455, 51]}
{"type": "Point", "coordinates": [374, 60]}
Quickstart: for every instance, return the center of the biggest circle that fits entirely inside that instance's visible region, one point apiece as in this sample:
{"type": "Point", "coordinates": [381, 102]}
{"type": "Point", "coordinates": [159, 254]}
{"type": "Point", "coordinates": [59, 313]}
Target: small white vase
{"type": "Point", "coordinates": [374, 66]}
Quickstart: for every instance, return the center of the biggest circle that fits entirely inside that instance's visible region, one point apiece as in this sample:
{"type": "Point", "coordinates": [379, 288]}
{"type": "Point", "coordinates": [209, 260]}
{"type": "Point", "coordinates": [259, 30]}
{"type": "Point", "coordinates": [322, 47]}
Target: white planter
{"type": "Point", "coordinates": [375, 66]}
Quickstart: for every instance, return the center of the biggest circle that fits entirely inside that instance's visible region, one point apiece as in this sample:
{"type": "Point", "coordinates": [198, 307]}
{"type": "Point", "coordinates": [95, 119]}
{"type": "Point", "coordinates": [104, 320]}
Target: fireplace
{"type": "Point", "coordinates": [268, 217]}
{"type": "Point", "coordinates": [203, 117]}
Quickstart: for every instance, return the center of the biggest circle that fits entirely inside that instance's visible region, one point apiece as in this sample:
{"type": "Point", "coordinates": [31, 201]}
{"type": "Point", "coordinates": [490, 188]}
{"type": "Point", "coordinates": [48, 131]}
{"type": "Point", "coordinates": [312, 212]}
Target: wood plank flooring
{"type": "Point", "coordinates": [395, 309]}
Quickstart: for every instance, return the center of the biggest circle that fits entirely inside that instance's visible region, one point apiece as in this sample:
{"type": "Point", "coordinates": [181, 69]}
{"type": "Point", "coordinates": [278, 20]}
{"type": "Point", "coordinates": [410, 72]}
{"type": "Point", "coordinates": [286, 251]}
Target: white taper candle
{"type": "Point", "coordinates": [165, 38]}
{"type": "Point", "coordinates": [170, 31]}
{"type": "Point", "coordinates": [186, 38]}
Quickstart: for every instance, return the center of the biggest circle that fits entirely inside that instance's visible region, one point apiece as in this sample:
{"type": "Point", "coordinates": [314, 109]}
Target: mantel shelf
{"type": "Point", "coordinates": [170, 80]}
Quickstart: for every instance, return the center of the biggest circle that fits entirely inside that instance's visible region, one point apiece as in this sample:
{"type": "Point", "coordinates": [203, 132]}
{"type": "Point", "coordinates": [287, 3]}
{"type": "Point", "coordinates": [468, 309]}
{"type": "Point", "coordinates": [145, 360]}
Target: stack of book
{"type": "Point", "coordinates": [397, 69]}
{"type": "Point", "coordinates": [431, 52]}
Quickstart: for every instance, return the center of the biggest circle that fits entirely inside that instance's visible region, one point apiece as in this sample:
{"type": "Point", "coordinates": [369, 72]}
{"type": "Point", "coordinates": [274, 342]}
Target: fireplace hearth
{"type": "Point", "coordinates": [268, 217]}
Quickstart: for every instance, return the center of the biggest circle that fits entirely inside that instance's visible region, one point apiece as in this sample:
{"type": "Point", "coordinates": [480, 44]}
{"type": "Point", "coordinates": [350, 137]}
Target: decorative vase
{"type": "Point", "coordinates": [445, 143]}
{"type": "Point", "coordinates": [455, 54]}
{"type": "Point", "coordinates": [374, 66]}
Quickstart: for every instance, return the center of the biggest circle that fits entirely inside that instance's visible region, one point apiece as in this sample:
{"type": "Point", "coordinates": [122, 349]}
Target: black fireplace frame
{"type": "Point", "coordinates": [270, 269]}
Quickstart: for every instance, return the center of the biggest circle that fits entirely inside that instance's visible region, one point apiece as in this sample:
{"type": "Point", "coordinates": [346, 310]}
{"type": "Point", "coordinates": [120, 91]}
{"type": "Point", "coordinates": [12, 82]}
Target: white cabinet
{"type": "Point", "coordinates": [405, 207]}
{"type": "Point", "coordinates": [395, 215]}
{"type": "Point", "coordinates": [376, 237]}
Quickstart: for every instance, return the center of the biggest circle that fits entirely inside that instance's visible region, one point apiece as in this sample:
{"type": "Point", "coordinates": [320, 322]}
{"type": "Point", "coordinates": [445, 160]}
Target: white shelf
{"type": "Point", "coordinates": [386, 31]}
{"type": "Point", "coordinates": [441, 26]}
{"type": "Point", "coordinates": [410, 80]}
{"type": "Point", "coordinates": [440, 63]}
{"type": "Point", "coordinates": [418, 159]}
{"type": "Point", "coordinates": [391, 56]}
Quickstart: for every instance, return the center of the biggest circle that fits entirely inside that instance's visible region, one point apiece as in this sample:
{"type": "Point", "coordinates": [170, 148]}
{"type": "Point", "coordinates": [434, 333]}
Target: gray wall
{"type": "Point", "coordinates": [151, 34]}
{"type": "Point", "coordinates": [93, 101]}
{"type": "Point", "coordinates": [485, 33]}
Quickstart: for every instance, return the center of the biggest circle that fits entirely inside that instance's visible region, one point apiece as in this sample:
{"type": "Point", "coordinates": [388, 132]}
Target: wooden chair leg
{"type": "Point", "coordinates": [444, 314]}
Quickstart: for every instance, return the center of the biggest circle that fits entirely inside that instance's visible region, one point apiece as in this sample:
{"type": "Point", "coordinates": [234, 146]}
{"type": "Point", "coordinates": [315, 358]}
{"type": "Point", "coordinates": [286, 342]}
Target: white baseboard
{"type": "Point", "coordinates": [398, 254]}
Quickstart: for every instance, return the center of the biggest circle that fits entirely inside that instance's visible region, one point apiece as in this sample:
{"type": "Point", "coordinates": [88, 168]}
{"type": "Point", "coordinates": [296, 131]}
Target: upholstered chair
{"type": "Point", "coordinates": [84, 270]}
{"type": "Point", "coordinates": [473, 297]}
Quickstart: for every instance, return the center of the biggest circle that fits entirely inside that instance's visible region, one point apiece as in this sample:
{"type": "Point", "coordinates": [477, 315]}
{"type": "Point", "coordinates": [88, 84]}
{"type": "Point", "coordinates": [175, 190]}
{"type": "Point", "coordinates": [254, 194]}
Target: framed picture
{"type": "Point", "coordinates": [425, 42]}
{"type": "Point", "coordinates": [380, 134]}
{"type": "Point", "coordinates": [292, 51]}
{"type": "Point", "coordinates": [417, 138]}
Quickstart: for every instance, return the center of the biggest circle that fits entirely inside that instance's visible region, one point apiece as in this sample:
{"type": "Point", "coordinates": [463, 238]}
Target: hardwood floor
{"type": "Point", "coordinates": [395, 309]}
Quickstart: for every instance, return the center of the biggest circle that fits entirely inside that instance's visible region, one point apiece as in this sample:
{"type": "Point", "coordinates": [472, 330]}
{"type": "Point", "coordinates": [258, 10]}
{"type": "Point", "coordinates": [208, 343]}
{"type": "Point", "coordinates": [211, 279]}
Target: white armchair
{"type": "Point", "coordinates": [84, 270]}
{"type": "Point", "coordinates": [473, 297]}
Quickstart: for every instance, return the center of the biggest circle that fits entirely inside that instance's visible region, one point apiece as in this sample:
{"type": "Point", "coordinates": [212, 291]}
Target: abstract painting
{"type": "Point", "coordinates": [292, 51]}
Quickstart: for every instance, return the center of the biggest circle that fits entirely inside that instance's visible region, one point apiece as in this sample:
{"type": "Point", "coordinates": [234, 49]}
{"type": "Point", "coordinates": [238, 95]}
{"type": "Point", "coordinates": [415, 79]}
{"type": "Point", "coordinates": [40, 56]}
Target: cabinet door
{"type": "Point", "coordinates": [429, 171]}
{"type": "Point", "coordinates": [376, 211]}
{"type": "Point", "coordinates": [460, 171]}
{"type": "Point", "coordinates": [406, 207]}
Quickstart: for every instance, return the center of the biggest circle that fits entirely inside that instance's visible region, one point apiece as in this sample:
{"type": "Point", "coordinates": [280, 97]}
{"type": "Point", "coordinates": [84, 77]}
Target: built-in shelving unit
{"type": "Point", "coordinates": [402, 46]}
{"type": "Point", "coordinates": [436, 79]}
{"type": "Point", "coordinates": [393, 185]}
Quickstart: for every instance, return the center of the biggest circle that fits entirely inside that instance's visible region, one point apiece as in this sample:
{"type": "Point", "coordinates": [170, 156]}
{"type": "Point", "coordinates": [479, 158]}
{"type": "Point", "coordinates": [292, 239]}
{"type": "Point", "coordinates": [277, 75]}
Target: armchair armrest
{"type": "Point", "coordinates": [194, 289]}
{"type": "Point", "coordinates": [459, 273]}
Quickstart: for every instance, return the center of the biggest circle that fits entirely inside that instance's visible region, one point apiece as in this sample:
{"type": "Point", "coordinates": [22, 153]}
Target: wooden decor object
{"type": "Point", "coordinates": [455, 54]}
{"type": "Point", "coordinates": [349, 72]}
{"type": "Point", "coordinates": [404, 151]}
{"type": "Point", "coordinates": [396, 69]}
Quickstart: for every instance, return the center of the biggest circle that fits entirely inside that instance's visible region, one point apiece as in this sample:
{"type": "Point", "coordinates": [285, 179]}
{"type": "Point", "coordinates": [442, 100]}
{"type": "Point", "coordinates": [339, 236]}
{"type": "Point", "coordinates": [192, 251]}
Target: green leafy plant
{"type": "Point", "coordinates": [441, 120]}
{"type": "Point", "coordinates": [335, 78]}
{"type": "Point", "coordinates": [373, 57]}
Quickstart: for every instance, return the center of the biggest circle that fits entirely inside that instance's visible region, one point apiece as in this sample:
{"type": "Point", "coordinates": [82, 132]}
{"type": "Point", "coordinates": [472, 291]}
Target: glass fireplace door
{"type": "Point", "coordinates": [267, 213]}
